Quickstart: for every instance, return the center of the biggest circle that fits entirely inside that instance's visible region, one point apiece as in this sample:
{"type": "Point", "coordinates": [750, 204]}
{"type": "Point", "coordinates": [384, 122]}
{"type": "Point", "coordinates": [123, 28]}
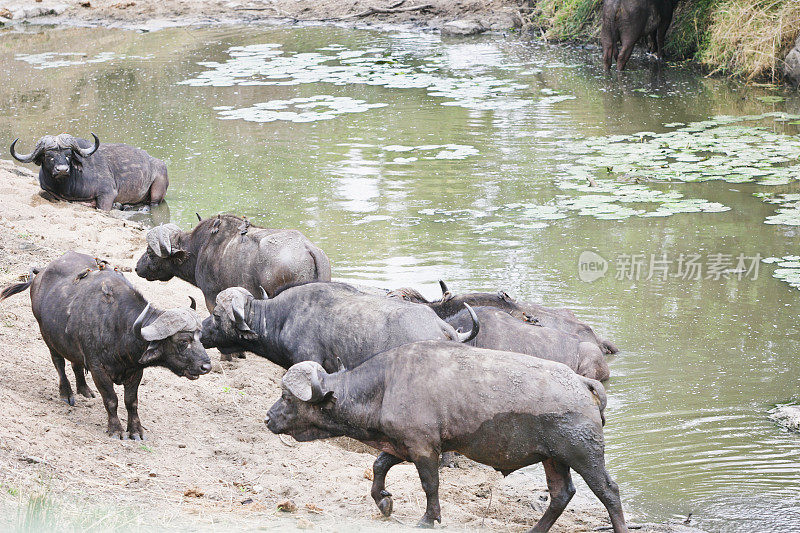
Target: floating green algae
{"type": "Point", "coordinates": [717, 149]}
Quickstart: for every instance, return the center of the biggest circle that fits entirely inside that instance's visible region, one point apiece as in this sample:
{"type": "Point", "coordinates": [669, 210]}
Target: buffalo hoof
{"type": "Point", "coordinates": [241, 355]}
{"type": "Point", "coordinates": [69, 400]}
{"type": "Point", "coordinates": [425, 522]}
{"type": "Point", "coordinates": [86, 392]}
{"type": "Point", "coordinates": [225, 357]}
{"type": "Point", "coordinates": [116, 434]}
{"type": "Point", "coordinates": [386, 504]}
{"type": "Point", "coordinates": [136, 435]}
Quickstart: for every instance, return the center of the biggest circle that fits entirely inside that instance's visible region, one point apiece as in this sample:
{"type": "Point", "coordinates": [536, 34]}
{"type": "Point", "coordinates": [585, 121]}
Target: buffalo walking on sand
{"type": "Point", "coordinates": [227, 251]}
{"type": "Point", "coordinates": [502, 409]}
{"type": "Point", "coordinates": [91, 316]}
{"type": "Point", "coordinates": [101, 175]}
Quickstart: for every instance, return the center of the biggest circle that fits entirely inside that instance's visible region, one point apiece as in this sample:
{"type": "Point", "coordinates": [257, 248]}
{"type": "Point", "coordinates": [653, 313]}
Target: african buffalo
{"type": "Point", "coordinates": [76, 170]}
{"type": "Point", "coordinates": [92, 316]}
{"type": "Point", "coordinates": [226, 251]}
{"type": "Point", "coordinates": [628, 21]}
{"type": "Point", "coordinates": [560, 319]}
{"type": "Point", "coordinates": [328, 323]}
{"type": "Point", "coordinates": [501, 331]}
{"type": "Point", "coordinates": [502, 409]}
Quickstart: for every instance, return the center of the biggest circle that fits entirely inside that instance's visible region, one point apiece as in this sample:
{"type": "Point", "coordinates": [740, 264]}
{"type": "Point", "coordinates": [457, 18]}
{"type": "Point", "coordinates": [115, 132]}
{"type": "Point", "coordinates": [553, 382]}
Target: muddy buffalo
{"type": "Point", "coordinates": [560, 319]}
{"type": "Point", "coordinates": [501, 331]}
{"type": "Point", "coordinates": [502, 409]}
{"type": "Point", "coordinates": [77, 170]}
{"type": "Point", "coordinates": [226, 251]}
{"type": "Point", "coordinates": [331, 324]}
{"type": "Point", "coordinates": [627, 21]}
{"type": "Point", "coordinates": [91, 316]}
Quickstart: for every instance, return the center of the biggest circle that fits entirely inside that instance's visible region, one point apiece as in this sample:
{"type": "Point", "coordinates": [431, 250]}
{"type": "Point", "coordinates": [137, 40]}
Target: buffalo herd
{"type": "Point", "coordinates": [503, 382]}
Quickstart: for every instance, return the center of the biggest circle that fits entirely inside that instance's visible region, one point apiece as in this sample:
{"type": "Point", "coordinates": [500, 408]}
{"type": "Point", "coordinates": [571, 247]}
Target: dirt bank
{"type": "Point", "coordinates": [209, 462]}
{"type": "Point", "coordinates": [493, 14]}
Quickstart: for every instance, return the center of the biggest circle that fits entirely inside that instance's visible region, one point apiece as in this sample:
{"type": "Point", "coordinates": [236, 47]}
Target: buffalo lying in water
{"type": "Point", "coordinates": [502, 409]}
{"type": "Point", "coordinates": [331, 324]}
{"type": "Point", "coordinates": [226, 251]}
{"type": "Point", "coordinates": [501, 331]}
{"type": "Point", "coordinates": [90, 315]}
{"type": "Point", "coordinates": [560, 319]}
{"type": "Point", "coordinates": [77, 170]}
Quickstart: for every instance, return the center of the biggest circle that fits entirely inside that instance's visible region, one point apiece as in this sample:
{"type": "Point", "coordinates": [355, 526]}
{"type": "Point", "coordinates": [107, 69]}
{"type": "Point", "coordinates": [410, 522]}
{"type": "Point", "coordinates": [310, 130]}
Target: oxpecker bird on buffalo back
{"type": "Point", "coordinates": [97, 174]}
{"type": "Point", "coordinates": [91, 316]}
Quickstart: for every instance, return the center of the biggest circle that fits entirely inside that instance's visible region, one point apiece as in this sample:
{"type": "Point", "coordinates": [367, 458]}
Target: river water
{"type": "Point", "coordinates": [409, 159]}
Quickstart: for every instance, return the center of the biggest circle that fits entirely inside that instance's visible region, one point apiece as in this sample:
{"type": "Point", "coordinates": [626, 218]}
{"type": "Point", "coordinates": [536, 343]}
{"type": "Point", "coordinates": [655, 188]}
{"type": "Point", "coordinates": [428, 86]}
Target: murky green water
{"type": "Point", "coordinates": [409, 159]}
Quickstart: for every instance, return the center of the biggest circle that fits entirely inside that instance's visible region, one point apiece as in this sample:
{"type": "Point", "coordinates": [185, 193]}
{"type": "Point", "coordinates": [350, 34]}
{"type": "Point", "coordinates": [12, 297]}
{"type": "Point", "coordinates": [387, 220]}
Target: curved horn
{"type": "Point", "coordinates": [340, 365]}
{"type": "Point", "coordinates": [237, 306]}
{"type": "Point", "coordinates": [85, 152]}
{"type": "Point", "coordinates": [443, 285]}
{"type": "Point", "coordinates": [24, 158]}
{"type": "Point", "coordinates": [264, 295]}
{"type": "Point", "coordinates": [317, 394]}
{"type": "Point", "coordinates": [193, 304]}
{"type": "Point", "coordinates": [137, 325]}
{"type": "Point", "coordinates": [199, 218]}
{"type": "Point", "coordinates": [466, 337]}
{"type": "Point", "coordinates": [164, 244]}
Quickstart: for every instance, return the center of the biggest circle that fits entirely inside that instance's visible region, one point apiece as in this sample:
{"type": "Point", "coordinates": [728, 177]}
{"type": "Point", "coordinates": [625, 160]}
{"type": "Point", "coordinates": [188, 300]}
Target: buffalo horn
{"type": "Point", "coordinates": [85, 152]}
{"type": "Point", "coordinates": [25, 158]}
{"type": "Point", "coordinates": [137, 325]}
{"type": "Point", "coordinates": [466, 337]}
{"type": "Point", "coordinates": [443, 285]}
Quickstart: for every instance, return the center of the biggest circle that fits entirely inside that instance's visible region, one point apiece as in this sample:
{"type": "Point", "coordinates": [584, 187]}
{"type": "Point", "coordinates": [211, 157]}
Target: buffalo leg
{"type": "Point", "coordinates": [428, 469]}
{"type": "Point", "coordinates": [80, 380]}
{"type": "Point", "coordinates": [106, 388]}
{"type": "Point", "coordinates": [158, 190]}
{"type": "Point", "coordinates": [661, 35]}
{"type": "Point", "coordinates": [607, 492]}
{"type": "Point", "coordinates": [559, 483]}
{"type": "Point", "coordinates": [625, 53]}
{"type": "Point", "coordinates": [382, 497]}
{"type": "Point", "coordinates": [64, 388]}
{"type": "Point", "coordinates": [105, 201]}
{"type": "Point", "coordinates": [131, 384]}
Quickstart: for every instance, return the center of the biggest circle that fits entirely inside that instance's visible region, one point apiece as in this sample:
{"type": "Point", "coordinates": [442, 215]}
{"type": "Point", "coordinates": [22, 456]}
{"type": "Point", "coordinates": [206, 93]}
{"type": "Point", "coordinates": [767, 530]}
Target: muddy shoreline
{"type": "Point", "coordinates": [208, 463]}
{"type": "Point", "coordinates": [148, 15]}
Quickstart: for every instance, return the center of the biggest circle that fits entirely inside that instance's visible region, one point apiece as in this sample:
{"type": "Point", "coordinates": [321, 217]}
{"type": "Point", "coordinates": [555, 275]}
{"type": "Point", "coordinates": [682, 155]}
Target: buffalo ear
{"type": "Point", "coordinates": [152, 354]}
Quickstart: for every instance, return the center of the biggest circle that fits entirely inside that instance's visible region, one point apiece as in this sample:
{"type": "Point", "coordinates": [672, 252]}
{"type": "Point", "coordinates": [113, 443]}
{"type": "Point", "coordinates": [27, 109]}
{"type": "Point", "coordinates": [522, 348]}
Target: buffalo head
{"type": "Point", "coordinates": [227, 327]}
{"type": "Point", "coordinates": [302, 410]}
{"type": "Point", "coordinates": [174, 341]}
{"type": "Point", "coordinates": [56, 154]}
{"type": "Point", "coordinates": [163, 256]}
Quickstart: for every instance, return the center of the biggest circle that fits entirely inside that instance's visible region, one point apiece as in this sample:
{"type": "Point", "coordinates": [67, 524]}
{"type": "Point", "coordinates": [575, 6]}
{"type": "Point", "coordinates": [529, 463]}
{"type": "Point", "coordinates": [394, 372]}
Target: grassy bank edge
{"type": "Point", "coordinates": [743, 39]}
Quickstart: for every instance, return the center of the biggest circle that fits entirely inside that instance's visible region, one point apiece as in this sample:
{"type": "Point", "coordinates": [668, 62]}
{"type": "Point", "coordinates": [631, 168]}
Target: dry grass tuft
{"type": "Point", "coordinates": [750, 39]}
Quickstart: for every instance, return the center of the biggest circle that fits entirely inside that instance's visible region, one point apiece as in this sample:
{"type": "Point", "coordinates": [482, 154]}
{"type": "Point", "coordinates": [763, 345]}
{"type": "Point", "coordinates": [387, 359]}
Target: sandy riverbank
{"type": "Point", "coordinates": [209, 462]}
{"type": "Point", "coordinates": [492, 14]}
